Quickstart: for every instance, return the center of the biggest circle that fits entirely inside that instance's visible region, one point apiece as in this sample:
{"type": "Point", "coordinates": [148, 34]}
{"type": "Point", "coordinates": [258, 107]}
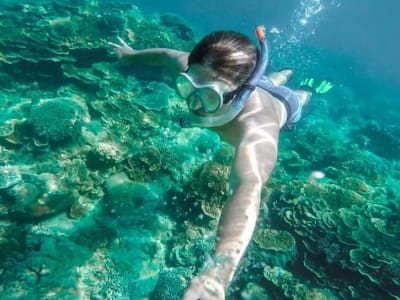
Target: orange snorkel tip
{"type": "Point", "coordinates": [260, 32]}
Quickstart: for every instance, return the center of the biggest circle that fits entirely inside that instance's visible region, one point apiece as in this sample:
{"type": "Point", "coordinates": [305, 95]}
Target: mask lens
{"type": "Point", "coordinates": [210, 99]}
{"type": "Point", "coordinates": [184, 87]}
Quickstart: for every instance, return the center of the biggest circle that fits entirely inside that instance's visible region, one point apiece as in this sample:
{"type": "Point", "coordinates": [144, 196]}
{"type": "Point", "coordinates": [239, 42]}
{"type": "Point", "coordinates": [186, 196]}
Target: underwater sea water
{"type": "Point", "coordinates": [104, 196]}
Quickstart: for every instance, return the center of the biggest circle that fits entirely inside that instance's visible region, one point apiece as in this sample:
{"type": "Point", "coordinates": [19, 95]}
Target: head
{"type": "Point", "coordinates": [224, 69]}
{"type": "Point", "coordinates": [218, 66]}
{"type": "Point", "coordinates": [231, 55]}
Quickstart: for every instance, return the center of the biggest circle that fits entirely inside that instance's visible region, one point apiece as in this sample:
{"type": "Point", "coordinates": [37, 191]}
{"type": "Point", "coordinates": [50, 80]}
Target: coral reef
{"type": "Point", "coordinates": [101, 189]}
{"type": "Point", "coordinates": [351, 227]}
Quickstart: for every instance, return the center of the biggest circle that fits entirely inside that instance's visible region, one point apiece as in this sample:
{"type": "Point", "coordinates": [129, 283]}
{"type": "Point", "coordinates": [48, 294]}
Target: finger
{"type": "Point", "coordinates": [114, 45]}
{"type": "Point", "coordinates": [122, 41]}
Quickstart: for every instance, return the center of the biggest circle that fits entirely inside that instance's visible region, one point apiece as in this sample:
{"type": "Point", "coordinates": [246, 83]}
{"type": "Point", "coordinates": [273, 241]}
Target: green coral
{"type": "Point", "coordinates": [155, 97]}
{"type": "Point", "coordinates": [345, 226]}
{"type": "Point", "coordinates": [171, 284]}
{"type": "Point", "coordinates": [294, 288]}
{"type": "Point", "coordinates": [57, 120]}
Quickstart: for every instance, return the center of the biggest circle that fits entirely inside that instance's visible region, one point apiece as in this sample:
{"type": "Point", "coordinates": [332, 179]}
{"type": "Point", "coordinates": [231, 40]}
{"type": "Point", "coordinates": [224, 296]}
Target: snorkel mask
{"type": "Point", "coordinates": [237, 104]}
{"type": "Point", "coordinates": [208, 95]}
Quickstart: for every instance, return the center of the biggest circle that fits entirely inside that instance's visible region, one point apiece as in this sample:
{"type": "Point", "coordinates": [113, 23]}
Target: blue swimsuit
{"type": "Point", "coordinates": [287, 97]}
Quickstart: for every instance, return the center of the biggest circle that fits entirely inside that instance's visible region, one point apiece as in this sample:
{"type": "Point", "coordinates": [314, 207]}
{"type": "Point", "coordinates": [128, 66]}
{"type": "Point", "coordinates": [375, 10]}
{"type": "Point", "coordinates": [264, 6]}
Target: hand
{"type": "Point", "coordinates": [122, 49]}
{"type": "Point", "coordinates": [204, 287]}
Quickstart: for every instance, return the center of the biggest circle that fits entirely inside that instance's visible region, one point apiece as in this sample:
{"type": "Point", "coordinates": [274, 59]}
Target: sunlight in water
{"type": "Point", "coordinates": [303, 24]}
{"type": "Point", "coordinates": [305, 19]}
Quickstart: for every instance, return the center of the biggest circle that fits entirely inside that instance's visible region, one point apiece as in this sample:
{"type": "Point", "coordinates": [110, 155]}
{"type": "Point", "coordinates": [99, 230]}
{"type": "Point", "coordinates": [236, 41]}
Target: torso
{"type": "Point", "coordinates": [262, 111]}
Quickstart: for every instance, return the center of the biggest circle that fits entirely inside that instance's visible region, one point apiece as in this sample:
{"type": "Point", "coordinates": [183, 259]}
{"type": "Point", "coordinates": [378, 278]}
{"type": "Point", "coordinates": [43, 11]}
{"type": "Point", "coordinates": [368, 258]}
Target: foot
{"type": "Point", "coordinates": [323, 87]}
{"type": "Point", "coordinates": [281, 77]}
{"type": "Point", "coordinates": [304, 96]}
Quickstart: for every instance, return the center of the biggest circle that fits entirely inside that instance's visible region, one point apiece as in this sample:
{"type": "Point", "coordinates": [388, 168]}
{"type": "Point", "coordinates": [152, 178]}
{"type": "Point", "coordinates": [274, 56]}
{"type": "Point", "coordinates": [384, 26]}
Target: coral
{"type": "Point", "coordinates": [211, 188]}
{"type": "Point", "coordinates": [193, 253]}
{"type": "Point", "coordinates": [79, 209]}
{"type": "Point", "coordinates": [12, 240]}
{"type": "Point", "coordinates": [381, 139]}
{"type": "Point", "coordinates": [254, 292]}
{"type": "Point", "coordinates": [206, 144]}
{"type": "Point", "coordinates": [41, 263]}
{"type": "Point", "coordinates": [178, 27]}
{"type": "Point", "coordinates": [54, 30]}
{"type": "Point", "coordinates": [317, 141]}
{"type": "Point", "coordinates": [104, 155]}
{"type": "Point", "coordinates": [270, 239]}
{"type": "Point", "coordinates": [131, 202]}
{"type": "Point", "coordinates": [57, 120]}
{"type": "Point", "coordinates": [121, 195]}
{"type": "Point", "coordinates": [14, 132]}
{"type": "Point", "coordinates": [211, 207]}
{"type": "Point", "coordinates": [350, 227]}
{"type": "Point", "coordinates": [36, 197]}
{"type": "Point", "coordinates": [364, 165]}
{"type": "Point", "coordinates": [7, 128]}
{"type": "Point", "coordinates": [151, 158]}
{"type": "Point", "coordinates": [292, 162]}
{"type": "Point", "coordinates": [96, 75]}
{"type": "Point", "coordinates": [214, 177]}
{"type": "Point", "coordinates": [171, 284]}
{"type": "Point", "coordinates": [146, 162]}
{"type": "Point", "coordinates": [155, 97]}
{"type": "Point", "coordinates": [56, 72]}
{"type": "Point", "coordinates": [293, 288]}
{"type": "Point", "coordinates": [9, 176]}
{"type": "Point", "coordinates": [224, 154]}
{"type": "Point", "coordinates": [272, 247]}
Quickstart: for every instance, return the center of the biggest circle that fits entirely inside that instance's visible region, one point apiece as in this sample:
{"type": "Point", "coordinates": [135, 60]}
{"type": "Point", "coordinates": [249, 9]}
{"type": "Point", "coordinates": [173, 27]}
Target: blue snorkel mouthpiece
{"type": "Point", "coordinates": [215, 120]}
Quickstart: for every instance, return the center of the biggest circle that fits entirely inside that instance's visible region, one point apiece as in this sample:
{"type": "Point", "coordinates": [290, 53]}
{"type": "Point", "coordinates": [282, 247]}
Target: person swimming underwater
{"type": "Point", "coordinates": [222, 80]}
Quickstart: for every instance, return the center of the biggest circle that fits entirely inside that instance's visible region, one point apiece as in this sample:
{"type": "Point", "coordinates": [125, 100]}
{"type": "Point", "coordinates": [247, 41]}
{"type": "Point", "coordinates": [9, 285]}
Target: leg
{"type": "Point", "coordinates": [304, 96]}
{"type": "Point", "coordinates": [281, 77]}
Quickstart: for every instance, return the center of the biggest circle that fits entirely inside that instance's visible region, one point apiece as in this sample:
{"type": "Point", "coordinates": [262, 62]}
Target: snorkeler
{"type": "Point", "coordinates": [223, 83]}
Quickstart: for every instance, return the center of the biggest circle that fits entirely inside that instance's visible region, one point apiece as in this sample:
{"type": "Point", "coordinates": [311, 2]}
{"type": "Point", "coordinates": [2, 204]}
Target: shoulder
{"type": "Point", "coordinates": [180, 59]}
{"type": "Point", "coordinates": [260, 101]}
{"type": "Point", "coordinates": [261, 107]}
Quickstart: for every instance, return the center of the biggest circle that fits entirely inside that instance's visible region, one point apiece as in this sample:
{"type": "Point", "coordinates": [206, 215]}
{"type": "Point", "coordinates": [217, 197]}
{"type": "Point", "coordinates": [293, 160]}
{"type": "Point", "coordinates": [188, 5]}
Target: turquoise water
{"type": "Point", "coordinates": [104, 196]}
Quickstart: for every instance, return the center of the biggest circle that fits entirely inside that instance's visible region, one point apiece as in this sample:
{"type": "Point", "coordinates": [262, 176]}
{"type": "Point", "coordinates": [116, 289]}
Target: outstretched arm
{"type": "Point", "coordinates": [255, 159]}
{"type": "Point", "coordinates": [173, 60]}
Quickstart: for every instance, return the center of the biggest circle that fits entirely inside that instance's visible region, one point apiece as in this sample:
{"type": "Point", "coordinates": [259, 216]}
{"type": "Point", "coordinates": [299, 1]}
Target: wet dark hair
{"type": "Point", "coordinates": [230, 54]}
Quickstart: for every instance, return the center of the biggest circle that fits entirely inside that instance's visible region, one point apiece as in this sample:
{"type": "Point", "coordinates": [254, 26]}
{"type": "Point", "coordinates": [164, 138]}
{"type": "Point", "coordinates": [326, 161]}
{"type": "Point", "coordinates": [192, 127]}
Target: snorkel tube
{"type": "Point", "coordinates": [214, 120]}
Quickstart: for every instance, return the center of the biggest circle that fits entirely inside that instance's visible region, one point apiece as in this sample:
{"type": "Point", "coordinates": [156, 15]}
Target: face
{"type": "Point", "coordinates": [203, 90]}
